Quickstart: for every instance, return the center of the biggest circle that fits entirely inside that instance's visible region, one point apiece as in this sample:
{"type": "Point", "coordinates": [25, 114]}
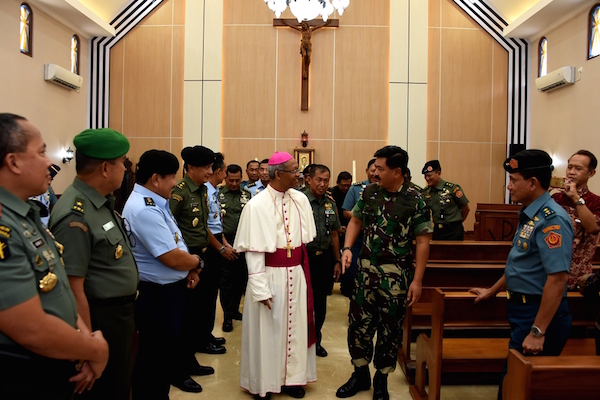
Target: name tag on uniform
{"type": "Point", "coordinates": [108, 226]}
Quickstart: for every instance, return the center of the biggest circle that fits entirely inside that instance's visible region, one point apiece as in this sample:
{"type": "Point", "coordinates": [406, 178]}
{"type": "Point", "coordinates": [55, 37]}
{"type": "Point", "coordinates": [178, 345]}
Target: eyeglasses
{"type": "Point", "coordinates": [293, 171]}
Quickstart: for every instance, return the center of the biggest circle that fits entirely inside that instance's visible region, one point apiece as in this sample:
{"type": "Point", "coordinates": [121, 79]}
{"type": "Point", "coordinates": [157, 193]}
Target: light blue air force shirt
{"type": "Point", "coordinates": [215, 223]}
{"type": "Point", "coordinates": [154, 233]}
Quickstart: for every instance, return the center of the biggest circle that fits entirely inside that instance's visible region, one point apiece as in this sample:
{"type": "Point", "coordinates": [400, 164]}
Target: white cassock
{"type": "Point", "coordinates": [275, 342]}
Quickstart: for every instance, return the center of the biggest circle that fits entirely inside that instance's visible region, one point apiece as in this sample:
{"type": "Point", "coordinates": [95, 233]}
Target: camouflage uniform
{"type": "Point", "coordinates": [390, 221]}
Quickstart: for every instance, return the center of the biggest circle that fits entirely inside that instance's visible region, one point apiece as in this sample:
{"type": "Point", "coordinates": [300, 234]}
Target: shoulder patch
{"type": "Point", "coordinates": [459, 194]}
{"type": "Point", "coordinates": [77, 224]}
{"type": "Point", "coordinates": [551, 228]}
{"type": "Point", "coordinates": [149, 201]}
{"type": "Point", "coordinates": [79, 205]}
{"type": "Point", "coordinates": [548, 212]}
{"type": "Point", "coordinates": [4, 231]}
{"type": "Point", "coordinates": [553, 240]}
{"type": "Point", "coordinates": [251, 184]}
{"type": "Point", "coordinates": [4, 249]}
{"type": "Point", "coordinates": [177, 197]}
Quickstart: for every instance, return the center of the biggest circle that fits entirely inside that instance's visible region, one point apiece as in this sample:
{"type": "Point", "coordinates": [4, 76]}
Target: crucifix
{"type": "Point", "coordinates": [306, 28]}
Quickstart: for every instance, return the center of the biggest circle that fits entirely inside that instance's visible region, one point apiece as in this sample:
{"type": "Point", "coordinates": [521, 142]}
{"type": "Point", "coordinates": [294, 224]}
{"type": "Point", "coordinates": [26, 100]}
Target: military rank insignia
{"type": "Point", "coordinates": [4, 231]}
{"type": "Point", "coordinates": [553, 240]}
{"type": "Point", "coordinates": [149, 201]}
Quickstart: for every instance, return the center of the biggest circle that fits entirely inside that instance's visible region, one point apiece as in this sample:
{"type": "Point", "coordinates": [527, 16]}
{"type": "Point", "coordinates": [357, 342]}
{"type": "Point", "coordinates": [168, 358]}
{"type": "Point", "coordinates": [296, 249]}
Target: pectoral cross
{"type": "Point", "coordinates": [289, 248]}
{"type": "Point", "coordinates": [306, 28]}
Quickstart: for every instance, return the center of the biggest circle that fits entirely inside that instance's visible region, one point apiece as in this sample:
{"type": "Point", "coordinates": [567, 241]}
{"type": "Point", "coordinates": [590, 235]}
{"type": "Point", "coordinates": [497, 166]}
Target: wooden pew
{"type": "Point", "coordinates": [562, 377]}
{"type": "Point", "coordinates": [496, 221]}
{"type": "Point", "coordinates": [456, 310]}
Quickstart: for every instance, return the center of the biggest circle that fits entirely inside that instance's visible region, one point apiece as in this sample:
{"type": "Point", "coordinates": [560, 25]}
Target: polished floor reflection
{"type": "Point", "coordinates": [333, 370]}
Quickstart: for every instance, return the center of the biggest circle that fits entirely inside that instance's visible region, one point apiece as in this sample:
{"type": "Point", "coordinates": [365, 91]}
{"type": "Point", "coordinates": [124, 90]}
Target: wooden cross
{"type": "Point", "coordinates": [289, 248]}
{"type": "Point", "coordinates": [306, 28]}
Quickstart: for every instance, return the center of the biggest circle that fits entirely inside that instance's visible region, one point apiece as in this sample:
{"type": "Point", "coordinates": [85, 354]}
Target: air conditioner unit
{"type": "Point", "coordinates": [62, 77]}
{"type": "Point", "coordinates": [555, 79]}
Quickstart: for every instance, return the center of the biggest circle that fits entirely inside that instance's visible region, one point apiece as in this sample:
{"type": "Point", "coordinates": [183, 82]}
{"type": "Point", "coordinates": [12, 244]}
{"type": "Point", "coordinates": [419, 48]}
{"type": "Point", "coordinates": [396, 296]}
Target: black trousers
{"type": "Point", "coordinates": [321, 276]}
{"type": "Point", "coordinates": [234, 277]}
{"type": "Point", "coordinates": [117, 324]}
{"type": "Point", "coordinates": [25, 375]}
{"type": "Point", "coordinates": [451, 231]}
{"type": "Point", "coordinates": [159, 312]}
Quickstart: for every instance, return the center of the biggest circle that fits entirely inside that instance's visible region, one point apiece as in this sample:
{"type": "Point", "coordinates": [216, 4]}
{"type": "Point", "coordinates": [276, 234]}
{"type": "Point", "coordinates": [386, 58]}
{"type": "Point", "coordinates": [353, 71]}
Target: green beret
{"type": "Point", "coordinates": [527, 160]}
{"type": "Point", "coordinates": [104, 143]}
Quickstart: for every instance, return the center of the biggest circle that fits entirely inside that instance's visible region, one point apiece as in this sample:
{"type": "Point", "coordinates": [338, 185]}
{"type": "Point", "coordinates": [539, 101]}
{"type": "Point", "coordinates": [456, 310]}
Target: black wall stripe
{"type": "Point", "coordinates": [100, 47]}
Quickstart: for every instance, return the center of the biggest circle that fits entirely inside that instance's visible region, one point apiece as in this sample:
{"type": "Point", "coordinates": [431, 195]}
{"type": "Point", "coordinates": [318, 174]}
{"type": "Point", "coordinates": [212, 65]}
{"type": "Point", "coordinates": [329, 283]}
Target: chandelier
{"type": "Point", "coordinates": [305, 10]}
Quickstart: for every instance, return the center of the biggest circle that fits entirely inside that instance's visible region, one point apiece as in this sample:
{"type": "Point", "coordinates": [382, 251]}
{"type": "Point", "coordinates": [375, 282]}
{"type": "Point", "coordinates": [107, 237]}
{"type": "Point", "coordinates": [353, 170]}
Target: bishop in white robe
{"type": "Point", "coordinates": [278, 353]}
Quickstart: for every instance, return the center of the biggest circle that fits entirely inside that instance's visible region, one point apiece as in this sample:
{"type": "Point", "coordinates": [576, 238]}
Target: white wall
{"type": "Point", "coordinates": [59, 113]}
{"type": "Point", "coordinates": [566, 120]}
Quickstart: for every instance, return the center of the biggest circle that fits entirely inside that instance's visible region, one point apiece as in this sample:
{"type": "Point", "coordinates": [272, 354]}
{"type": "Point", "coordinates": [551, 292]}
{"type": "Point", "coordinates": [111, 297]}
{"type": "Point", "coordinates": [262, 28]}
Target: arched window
{"type": "Point", "coordinates": [594, 29]}
{"type": "Point", "coordinates": [543, 57]}
{"type": "Point", "coordinates": [25, 28]}
{"type": "Point", "coordinates": [75, 54]}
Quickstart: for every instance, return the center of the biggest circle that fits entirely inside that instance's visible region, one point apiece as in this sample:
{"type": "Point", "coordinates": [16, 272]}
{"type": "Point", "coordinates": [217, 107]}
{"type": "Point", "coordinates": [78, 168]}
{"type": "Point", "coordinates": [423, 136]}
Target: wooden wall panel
{"type": "Point", "coordinates": [247, 12]}
{"type": "Point", "coordinates": [177, 80]}
{"type": "Point", "coordinates": [361, 91]}
{"type": "Point", "coordinates": [139, 146]}
{"type": "Point", "coordinates": [467, 103]}
{"type": "Point", "coordinates": [318, 121]}
{"type": "Point", "coordinates": [433, 84]}
{"type": "Point", "coordinates": [162, 15]}
{"type": "Point", "coordinates": [249, 82]}
{"type": "Point", "coordinates": [115, 120]}
{"type": "Point", "coordinates": [454, 17]}
{"type": "Point", "coordinates": [147, 92]}
{"type": "Point", "coordinates": [178, 12]}
{"type": "Point", "coordinates": [500, 94]}
{"type": "Point", "coordinates": [372, 12]}
{"type": "Point", "coordinates": [240, 151]}
{"type": "Point", "coordinates": [466, 82]}
{"type": "Point", "coordinates": [346, 151]}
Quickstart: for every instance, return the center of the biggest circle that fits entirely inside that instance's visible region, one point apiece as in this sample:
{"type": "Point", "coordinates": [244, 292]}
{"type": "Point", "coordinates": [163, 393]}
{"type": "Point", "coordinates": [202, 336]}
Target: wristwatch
{"type": "Point", "coordinates": [536, 332]}
{"type": "Point", "coordinates": [580, 202]}
{"type": "Point", "coordinates": [222, 249]}
{"type": "Point", "coordinates": [346, 248]}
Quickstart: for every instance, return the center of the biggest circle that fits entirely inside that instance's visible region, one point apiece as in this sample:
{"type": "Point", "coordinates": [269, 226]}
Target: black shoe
{"type": "Point", "coordinates": [212, 349]}
{"type": "Point", "coordinates": [227, 325]}
{"type": "Point", "coordinates": [321, 352]}
{"type": "Point", "coordinates": [188, 385]}
{"type": "Point", "coordinates": [201, 370]}
{"type": "Point", "coordinates": [259, 397]}
{"type": "Point", "coordinates": [237, 316]}
{"type": "Point", "coordinates": [360, 380]}
{"type": "Point", "coordinates": [296, 392]}
{"type": "Point", "coordinates": [217, 341]}
{"type": "Point", "coordinates": [380, 390]}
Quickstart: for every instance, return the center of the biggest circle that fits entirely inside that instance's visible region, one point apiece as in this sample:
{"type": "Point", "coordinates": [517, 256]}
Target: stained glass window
{"type": "Point", "coordinates": [594, 42]}
{"type": "Point", "coordinates": [75, 54]}
{"type": "Point", "coordinates": [543, 54]}
{"type": "Point", "coordinates": [26, 21]}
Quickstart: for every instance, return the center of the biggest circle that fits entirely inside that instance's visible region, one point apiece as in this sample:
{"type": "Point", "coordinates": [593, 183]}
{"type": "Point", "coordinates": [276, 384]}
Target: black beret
{"type": "Point", "coordinates": [198, 156]}
{"type": "Point", "coordinates": [431, 166]}
{"type": "Point", "coordinates": [54, 169]}
{"type": "Point", "coordinates": [528, 160]}
{"type": "Point", "coordinates": [103, 143]}
{"type": "Point", "coordinates": [157, 162]}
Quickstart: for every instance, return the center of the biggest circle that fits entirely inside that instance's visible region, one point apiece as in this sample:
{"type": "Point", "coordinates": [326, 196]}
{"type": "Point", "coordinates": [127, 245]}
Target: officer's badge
{"type": "Point", "coordinates": [79, 205]}
{"type": "Point", "coordinates": [222, 196]}
{"type": "Point", "coordinates": [525, 245]}
{"type": "Point", "coordinates": [176, 238]}
{"type": "Point", "coordinates": [60, 247]}
{"type": "Point", "coordinates": [548, 212]}
{"type": "Point", "coordinates": [195, 222]}
{"type": "Point", "coordinates": [48, 282]}
{"type": "Point", "coordinates": [149, 201]}
{"type": "Point", "coordinates": [526, 231]}
{"type": "Point", "coordinates": [553, 240]}
{"type": "Point", "coordinates": [38, 260]}
{"type": "Point", "coordinates": [119, 252]}
{"type": "Point", "coordinates": [4, 249]}
{"type": "Point", "coordinates": [4, 231]}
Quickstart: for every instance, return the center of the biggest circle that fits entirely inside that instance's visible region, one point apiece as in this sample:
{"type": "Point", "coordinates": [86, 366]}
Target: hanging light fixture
{"type": "Point", "coordinates": [305, 10]}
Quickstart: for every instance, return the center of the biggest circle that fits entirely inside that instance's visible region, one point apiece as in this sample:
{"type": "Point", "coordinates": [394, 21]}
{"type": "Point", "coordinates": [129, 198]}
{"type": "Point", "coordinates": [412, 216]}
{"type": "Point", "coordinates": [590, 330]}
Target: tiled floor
{"type": "Point", "coordinates": [333, 370]}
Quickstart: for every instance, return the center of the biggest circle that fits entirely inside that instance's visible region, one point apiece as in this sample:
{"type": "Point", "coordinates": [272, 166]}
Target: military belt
{"type": "Point", "coordinates": [522, 298]}
{"type": "Point", "coordinates": [113, 301]}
